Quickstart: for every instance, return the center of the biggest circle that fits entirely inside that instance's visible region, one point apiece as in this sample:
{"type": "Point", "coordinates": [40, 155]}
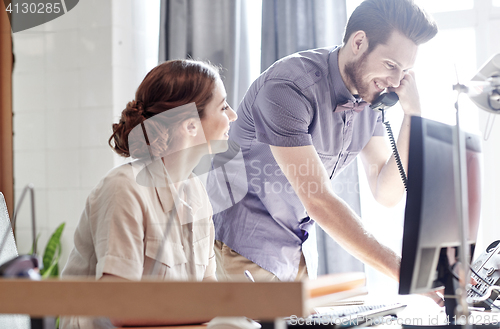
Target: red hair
{"type": "Point", "coordinates": [169, 85]}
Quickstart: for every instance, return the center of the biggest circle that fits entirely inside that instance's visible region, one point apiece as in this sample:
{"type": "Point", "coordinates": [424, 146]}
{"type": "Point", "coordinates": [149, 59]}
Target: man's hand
{"type": "Point", "coordinates": [436, 296]}
{"type": "Point", "coordinates": [408, 94]}
{"type": "Point", "coordinates": [380, 166]}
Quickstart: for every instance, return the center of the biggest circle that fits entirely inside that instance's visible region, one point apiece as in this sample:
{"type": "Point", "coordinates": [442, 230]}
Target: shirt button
{"type": "Point", "coordinates": [348, 123]}
{"type": "Point", "coordinates": [318, 73]}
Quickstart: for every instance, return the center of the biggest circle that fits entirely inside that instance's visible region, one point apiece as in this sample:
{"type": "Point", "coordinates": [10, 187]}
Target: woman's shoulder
{"type": "Point", "coordinates": [120, 178]}
{"type": "Point", "coordinates": [138, 172]}
{"type": "Point", "coordinates": [121, 174]}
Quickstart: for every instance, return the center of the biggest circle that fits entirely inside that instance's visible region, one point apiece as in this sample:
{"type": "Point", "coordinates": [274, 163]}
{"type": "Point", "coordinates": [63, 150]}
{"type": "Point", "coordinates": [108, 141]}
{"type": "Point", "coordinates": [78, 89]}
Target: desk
{"type": "Point", "coordinates": [420, 310]}
{"type": "Point", "coordinates": [146, 299]}
{"type": "Point", "coordinates": [170, 327]}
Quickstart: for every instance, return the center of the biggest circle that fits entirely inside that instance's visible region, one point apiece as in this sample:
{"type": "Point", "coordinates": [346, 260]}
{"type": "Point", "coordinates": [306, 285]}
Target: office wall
{"type": "Point", "coordinates": [72, 78]}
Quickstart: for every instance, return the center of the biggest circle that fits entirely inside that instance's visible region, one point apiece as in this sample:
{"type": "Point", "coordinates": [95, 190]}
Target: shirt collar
{"type": "Point", "coordinates": [152, 174]}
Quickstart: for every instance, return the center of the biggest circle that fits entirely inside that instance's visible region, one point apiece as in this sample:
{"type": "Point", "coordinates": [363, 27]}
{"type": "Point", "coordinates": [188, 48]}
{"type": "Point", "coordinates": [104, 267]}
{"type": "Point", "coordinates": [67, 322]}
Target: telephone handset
{"type": "Point", "coordinates": [486, 272]}
{"type": "Point", "coordinates": [383, 102]}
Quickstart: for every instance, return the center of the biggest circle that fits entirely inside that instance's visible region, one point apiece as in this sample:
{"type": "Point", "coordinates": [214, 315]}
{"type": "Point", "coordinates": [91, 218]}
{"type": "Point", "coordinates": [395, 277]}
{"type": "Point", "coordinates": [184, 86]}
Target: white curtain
{"type": "Point", "coordinates": [289, 26]}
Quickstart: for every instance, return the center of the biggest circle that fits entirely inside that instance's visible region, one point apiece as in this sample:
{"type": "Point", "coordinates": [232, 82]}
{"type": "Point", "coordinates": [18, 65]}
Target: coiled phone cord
{"type": "Point", "coordinates": [395, 150]}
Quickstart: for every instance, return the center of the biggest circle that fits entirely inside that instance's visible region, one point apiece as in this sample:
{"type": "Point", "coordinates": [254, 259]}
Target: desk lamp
{"type": "Point", "coordinates": [484, 91]}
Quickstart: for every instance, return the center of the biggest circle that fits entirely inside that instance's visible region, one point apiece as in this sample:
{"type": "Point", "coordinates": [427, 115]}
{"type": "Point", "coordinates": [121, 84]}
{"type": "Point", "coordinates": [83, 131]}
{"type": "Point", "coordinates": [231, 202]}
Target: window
{"type": "Point", "coordinates": [433, 6]}
{"type": "Point", "coordinates": [464, 42]}
{"type": "Point", "coordinates": [152, 32]}
{"type": "Point", "coordinates": [254, 25]}
{"type": "Point", "coordinates": [439, 63]}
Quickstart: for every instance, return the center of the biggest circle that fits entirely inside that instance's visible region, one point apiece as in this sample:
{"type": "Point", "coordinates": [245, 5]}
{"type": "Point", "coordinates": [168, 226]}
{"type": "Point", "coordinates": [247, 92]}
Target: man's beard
{"type": "Point", "coordinates": [354, 72]}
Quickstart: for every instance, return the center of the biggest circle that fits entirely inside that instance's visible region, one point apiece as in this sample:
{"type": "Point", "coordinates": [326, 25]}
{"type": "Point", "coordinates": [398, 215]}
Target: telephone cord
{"type": "Point", "coordinates": [395, 151]}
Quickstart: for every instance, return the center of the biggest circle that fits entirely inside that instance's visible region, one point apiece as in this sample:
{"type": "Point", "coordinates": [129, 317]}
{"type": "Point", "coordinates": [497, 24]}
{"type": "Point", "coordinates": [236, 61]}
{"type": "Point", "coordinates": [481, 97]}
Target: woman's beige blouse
{"type": "Point", "coordinates": [124, 222]}
{"type": "Point", "coordinates": [123, 225]}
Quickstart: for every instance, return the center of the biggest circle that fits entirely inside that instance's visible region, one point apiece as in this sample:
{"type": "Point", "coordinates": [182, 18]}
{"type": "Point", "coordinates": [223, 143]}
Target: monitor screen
{"type": "Point", "coordinates": [431, 223]}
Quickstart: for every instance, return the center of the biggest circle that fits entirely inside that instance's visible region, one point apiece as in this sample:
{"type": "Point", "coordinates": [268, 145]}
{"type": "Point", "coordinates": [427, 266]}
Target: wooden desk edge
{"type": "Point", "coordinates": [152, 299]}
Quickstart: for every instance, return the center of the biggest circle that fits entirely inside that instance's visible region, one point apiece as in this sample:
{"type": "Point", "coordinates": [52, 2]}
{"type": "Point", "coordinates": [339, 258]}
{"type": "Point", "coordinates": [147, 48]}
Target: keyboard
{"type": "Point", "coordinates": [348, 316]}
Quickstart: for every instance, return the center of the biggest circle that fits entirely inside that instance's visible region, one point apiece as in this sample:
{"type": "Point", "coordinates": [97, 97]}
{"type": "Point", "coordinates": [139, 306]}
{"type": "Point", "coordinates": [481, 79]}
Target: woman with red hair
{"type": "Point", "coordinates": [151, 216]}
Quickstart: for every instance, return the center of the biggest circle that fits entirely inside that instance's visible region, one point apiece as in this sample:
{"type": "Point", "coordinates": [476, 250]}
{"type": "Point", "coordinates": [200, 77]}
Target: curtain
{"type": "Point", "coordinates": [289, 26]}
{"type": "Point", "coordinates": [214, 31]}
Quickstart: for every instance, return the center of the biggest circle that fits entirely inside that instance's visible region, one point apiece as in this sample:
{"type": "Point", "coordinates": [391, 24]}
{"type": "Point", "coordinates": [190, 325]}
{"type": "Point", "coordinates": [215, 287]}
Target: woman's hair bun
{"type": "Point", "coordinates": [169, 85]}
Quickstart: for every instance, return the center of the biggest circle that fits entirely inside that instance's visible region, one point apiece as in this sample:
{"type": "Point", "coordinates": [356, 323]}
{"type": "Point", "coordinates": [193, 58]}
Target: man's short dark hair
{"type": "Point", "coordinates": [379, 18]}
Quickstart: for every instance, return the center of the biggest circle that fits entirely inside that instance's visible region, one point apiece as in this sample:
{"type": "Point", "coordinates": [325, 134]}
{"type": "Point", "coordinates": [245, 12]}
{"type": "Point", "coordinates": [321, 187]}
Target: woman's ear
{"type": "Point", "coordinates": [190, 127]}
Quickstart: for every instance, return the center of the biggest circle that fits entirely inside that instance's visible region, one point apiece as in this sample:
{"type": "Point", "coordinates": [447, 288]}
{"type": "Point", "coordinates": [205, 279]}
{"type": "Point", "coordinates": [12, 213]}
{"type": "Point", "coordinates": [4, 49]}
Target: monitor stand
{"type": "Point", "coordinates": [450, 303]}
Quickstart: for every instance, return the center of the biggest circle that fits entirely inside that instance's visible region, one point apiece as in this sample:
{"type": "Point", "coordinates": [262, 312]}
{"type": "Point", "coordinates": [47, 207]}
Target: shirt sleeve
{"type": "Point", "coordinates": [118, 230]}
{"type": "Point", "coordinates": [379, 127]}
{"type": "Point", "coordinates": [210, 270]}
{"type": "Point", "coordinates": [282, 115]}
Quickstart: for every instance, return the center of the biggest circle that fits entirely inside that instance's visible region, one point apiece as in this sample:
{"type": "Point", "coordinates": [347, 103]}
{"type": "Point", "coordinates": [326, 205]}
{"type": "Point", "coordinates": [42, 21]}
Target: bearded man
{"type": "Point", "coordinates": [304, 120]}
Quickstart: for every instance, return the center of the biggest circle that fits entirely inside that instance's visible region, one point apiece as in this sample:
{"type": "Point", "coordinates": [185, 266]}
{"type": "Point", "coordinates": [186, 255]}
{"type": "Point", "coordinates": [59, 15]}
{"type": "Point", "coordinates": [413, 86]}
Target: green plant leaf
{"type": "Point", "coordinates": [36, 244]}
{"type": "Point", "coordinates": [53, 269]}
{"type": "Point", "coordinates": [52, 252]}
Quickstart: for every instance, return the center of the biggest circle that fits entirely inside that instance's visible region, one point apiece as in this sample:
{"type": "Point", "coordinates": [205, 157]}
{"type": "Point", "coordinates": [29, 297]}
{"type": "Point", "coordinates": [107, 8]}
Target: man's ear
{"type": "Point", "coordinates": [359, 43]}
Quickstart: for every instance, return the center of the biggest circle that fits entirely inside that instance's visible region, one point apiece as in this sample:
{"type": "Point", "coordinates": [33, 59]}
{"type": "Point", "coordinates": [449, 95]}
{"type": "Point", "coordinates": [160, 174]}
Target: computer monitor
{"type": "Point", "coordinates": [431, 223]}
